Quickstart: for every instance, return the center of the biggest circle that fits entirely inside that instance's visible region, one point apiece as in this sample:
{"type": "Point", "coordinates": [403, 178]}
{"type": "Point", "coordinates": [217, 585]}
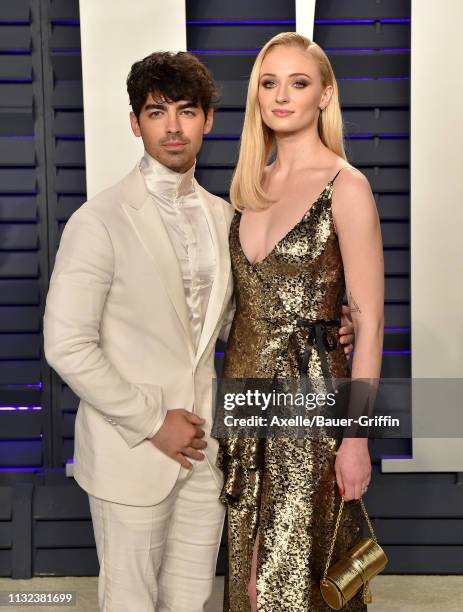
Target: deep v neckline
{"type": "Point", "coordinates": [288, 233]}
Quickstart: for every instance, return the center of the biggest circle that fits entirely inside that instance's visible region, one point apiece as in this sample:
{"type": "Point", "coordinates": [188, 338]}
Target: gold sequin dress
{"type": "Point", "coordinates": [286, 490]}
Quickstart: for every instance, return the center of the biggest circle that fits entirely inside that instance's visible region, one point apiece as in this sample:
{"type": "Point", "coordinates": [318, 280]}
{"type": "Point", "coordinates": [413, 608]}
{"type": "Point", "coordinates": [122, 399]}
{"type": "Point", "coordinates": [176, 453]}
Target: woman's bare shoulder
{"type": "Point", "coordinates": [352, 197]}
{"type": "Point", "coordinates": [351, 179]}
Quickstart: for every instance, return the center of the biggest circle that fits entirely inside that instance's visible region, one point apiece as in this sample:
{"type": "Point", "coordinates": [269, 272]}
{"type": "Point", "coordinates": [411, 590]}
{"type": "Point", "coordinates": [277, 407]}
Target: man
{"type": "Point", "coordinates": [140, 291]}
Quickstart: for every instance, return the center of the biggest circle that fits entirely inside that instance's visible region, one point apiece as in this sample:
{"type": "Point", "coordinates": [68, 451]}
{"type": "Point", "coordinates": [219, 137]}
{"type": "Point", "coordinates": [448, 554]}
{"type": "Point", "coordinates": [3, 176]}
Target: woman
{"type": "Point", "coordinates": [306, 230]}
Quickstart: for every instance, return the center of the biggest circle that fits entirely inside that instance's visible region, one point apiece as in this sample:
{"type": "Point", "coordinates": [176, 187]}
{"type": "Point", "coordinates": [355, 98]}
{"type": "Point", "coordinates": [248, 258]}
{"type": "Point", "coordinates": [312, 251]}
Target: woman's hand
{"type": "Point", "coordinates": [353, 467]}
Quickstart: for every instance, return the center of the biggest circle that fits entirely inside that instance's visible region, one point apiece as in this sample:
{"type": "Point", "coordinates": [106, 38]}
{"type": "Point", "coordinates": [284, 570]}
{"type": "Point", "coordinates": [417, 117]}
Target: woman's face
{"type": "Point", "coordinates": [290, 89]}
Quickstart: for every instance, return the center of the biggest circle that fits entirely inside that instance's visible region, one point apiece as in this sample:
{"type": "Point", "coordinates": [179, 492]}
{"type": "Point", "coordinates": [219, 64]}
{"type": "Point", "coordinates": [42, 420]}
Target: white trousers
{"type": "Point", "coordinates": [160, 558]}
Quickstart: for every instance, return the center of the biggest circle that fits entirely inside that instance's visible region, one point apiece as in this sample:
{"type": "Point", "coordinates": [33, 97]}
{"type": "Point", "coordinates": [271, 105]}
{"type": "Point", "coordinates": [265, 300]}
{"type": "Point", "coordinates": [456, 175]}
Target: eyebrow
{"type": "Point", "coordinates": [291, 75]}
{"type": "Point", "coordinates": [163, 105]}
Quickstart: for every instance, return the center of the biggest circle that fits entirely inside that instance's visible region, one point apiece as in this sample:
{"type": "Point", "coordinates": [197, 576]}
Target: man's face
{"type": "Point", "coordinates": [172, 132]}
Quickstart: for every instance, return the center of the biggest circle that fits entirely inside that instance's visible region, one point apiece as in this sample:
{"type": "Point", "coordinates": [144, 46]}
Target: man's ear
{"type": "Point", "coordinates": [209, 121]}
{"type": "Point", "coordinates": [134, 124]}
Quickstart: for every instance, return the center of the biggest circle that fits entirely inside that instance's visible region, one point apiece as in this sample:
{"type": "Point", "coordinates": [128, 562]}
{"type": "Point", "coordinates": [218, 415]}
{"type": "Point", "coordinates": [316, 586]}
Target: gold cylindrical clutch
{"type": "Point", "coordinates": [354, 570]}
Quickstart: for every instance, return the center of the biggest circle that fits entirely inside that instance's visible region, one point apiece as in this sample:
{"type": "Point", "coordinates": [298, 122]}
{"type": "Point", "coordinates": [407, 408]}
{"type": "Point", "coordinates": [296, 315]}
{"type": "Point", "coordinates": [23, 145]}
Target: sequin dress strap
{"type": "Point", "coordinates": [331, 186]}
{"type": "Point", "coordinates": [336, 175]}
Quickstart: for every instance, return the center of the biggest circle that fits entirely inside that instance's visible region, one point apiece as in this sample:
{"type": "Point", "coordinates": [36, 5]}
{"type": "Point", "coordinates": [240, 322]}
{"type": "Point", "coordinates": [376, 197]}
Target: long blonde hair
{"type": "Point", "coordinates": [257, 140]}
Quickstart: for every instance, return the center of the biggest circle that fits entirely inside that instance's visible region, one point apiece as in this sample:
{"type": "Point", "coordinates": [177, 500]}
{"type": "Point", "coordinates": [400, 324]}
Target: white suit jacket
{"type": "Point", "coordinates": [116, 330]}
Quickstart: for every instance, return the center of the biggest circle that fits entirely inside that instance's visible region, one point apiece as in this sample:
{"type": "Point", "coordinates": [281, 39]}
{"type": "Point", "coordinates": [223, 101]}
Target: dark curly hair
{"type": "Point", "coordinates": [173, 77]}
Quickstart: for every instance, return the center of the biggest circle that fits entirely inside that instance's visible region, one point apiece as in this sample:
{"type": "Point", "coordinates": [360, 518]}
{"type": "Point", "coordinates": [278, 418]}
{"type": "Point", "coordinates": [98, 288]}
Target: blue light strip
{"type": "Point", "coordinates": [15, 23]}
{"type": "Point", "coordinates": [347, 21]}
{"type": "Point", "coordinates": [26, 386]}
{"type": "Point", "coordinates": [59, 22]}
{"type": "Point", "coordinates": [15, 51]}
{"type": "Point", "coordinates": [341, 21]}
{"type": "Point", "coordinates": [404, 78]}
{"type": "Point", "coordinates": [14, 81]}
{"type": "Point", "coordinates": [19, 408]}
{"type": "Point", "coordinates": [370, 136]}
{"type": "Point", "coordinates": [20, 469]}
{"type": "Point", "coordinates": [370, 50]}
{"type": "Point", "coordinates": [396, 456]}
{"type": "Point", "coordinates": [400, 136]}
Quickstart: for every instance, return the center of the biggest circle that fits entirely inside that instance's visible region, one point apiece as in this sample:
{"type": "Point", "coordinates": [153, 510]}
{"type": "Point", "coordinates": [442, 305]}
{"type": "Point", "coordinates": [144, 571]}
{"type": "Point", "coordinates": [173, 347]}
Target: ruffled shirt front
{"type": "Point", "coordinates": [180, 208]}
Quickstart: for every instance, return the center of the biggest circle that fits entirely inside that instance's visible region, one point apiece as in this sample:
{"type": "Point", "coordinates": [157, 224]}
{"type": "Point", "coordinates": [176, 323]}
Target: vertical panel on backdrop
{"type": "Point", "coordinates": [305, 15]}
{"type": "Point", "coordinates": [115, 34]}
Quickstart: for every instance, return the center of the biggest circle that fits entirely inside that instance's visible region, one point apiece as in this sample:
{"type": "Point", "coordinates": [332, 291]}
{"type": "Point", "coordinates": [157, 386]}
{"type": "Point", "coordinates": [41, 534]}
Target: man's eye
{"type": "Point", "coordinates": [188, 112]}
{"type": "Point", "coordinates": [155, 114]}
{"type": "Point", "coordinates": [268, 84]}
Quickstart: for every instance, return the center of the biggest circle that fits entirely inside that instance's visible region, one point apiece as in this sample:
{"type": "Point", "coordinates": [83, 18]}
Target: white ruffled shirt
{"type": "Point", "coordinates": [178, 203]}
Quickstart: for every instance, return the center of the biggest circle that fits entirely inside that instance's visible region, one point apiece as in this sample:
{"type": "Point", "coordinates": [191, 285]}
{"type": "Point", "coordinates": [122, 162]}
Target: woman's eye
{"type": "Point", "coordinates": [300, 84]}
{"type": "Point", "coordinates": [268, 84]}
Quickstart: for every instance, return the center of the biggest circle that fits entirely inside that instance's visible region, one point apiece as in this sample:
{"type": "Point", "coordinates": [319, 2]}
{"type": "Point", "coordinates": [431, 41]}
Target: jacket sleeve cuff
{"type": "Point", "coordinates": [157, 427]}
{"type": "Point", "coordinates": [135, 434]}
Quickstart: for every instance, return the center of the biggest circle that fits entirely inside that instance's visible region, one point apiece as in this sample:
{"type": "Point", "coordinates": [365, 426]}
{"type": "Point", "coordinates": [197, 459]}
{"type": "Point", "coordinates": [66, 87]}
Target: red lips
{"type": "Point", "coordinates": [279, 112]}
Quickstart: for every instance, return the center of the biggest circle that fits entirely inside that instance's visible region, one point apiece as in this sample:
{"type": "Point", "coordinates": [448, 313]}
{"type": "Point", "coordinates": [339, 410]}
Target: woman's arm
{"type": "Point", "coordinates": [359, 233]}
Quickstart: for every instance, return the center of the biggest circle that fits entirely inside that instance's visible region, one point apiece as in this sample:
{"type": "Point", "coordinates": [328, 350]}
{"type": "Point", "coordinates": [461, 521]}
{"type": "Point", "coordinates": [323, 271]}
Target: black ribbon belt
{"type": "Point", "coordinates": [320, 337]}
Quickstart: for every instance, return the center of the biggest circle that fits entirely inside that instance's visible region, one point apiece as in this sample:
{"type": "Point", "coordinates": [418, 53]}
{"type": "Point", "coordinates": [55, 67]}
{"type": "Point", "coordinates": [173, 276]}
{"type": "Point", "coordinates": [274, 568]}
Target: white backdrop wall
{"type": "Point", "coordinates": [436, 189]}
{"type": "Point", "coordinates": [115, 34]}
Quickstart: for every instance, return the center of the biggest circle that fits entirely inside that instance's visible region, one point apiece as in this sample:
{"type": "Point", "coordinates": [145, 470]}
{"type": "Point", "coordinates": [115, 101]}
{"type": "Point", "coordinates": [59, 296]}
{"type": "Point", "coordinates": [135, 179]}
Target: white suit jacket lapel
{"type": "Point", "coordinates": [150, 229]}
{"type": "Point", "coordinates": [219, 231]}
